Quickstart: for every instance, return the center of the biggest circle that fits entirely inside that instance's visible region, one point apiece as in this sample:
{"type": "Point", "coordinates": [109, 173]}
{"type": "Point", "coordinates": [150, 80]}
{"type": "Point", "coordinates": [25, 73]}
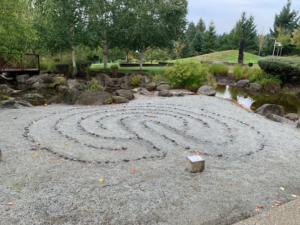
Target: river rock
{"type": "Point", "coordinates": [165, 93]}
{"type": "Point", "coordinates": [22, 78]}
{"type": "Point", "coordinates": [292, 116]}
{"type": "Point", "coordinates": [70, 96]}
{"type": "Point", "coordinates": [270, 109]}
{"type": "Point", "coordinates": [127, 86]}
{"type": "Point", "coordinates": [46, 80]}
{"type": "Point", "coordinates": [74, 84]}
{"type": "Point", "coordinates": [119, 100]}
{"type": "Point", "coordinates": [31, 80]}
{"type": "Point", "coordinates": [95, 98]}
{"type": "Point", "coordinates": [126, 94]}
{"type": "Point", "coordinates": [255, 87]}
{"type": "Point", "coordinates": [36, 85]}
{"type": "Point", "coordinates": [181, 92]}
{"type": "Point", "coordinates": [206, 90]}
{"type": "Point", "coordinates": [272, 86]}
{"type": "Point", "coordinates": [163, 87]}
{"type": "Point", "coordinates": [113, 82]}
{"type": "Point", "coordinates": [279, 119]}
{"type": "Point", "coordinates": [34, 98]}
{"type": "Point", "coordinates": [7, 104]}
{"type": "Point", "coordinates": [5, 89]}
{"type": "Point", "coordinates": [62, 88]}
{"type": "Point", "coordinates": [23, 104]}
{"type": "Point", "coordinates": [102, 77]}
{"type": "Point", "coordinates": [55, 100]}
{"type": "Point", "coordinates": [144, 91]}
{"type": "Point", "coordinates": [150, 86]}
{"type": "Point", "coordinates": [144, 80]}
{"type": "Point", "coordinates": [242, 83]}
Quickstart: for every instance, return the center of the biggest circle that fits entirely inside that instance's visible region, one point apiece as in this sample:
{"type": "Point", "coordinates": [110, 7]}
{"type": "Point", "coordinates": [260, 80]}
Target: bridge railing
{"type": "Point", "coordinates": [19, 63]}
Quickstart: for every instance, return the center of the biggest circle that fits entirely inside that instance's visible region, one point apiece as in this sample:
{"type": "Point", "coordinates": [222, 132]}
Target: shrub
{"type": "Point", "coordinates": [114, 66]}
{"type": "Point", "coordinates": [82, 65]}
{"type": "Point", "coordinates": [5, 97]}
{"type": "Point", "coordinates": [256, 75]}
{"type": "Point", "coordinates": [284, 67]}
{"type": "Point", "coordinates": [51, 67]}
{"type": "Point", "coordinates": [56, 59]}
{"type": "Point", "coordinates": [135, 80]}
{"type": "Point", "coordinates": [94, 86]}
{"type": "Point", "coordinates": [219, 69]}
{"type": "Point", "coordinates": [43, 65]}
{"type": "Point", "coordinates": [62, 68]}
{"type": "Point", "coordinates": [187, 74]}
{"type": "Point", "coordinates": [238, 71]}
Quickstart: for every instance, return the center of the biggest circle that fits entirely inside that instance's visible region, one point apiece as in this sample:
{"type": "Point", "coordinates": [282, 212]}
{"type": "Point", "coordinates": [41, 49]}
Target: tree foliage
{"type": "Point", "coordinates": [210, 39]}
{"type": "Point", "coordinates": [191, 31]}
{"type": "Point", "coordinates": [197, 42]}
{"type": "Point", "coordinates": [201, 25]}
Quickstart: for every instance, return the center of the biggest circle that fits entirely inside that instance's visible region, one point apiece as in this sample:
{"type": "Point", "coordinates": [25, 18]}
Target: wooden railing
{"type": "Point", "coordinates": [19, 63]}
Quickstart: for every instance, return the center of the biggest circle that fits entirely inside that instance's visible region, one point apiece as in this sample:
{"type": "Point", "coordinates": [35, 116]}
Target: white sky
{"type": "Point", "coordinates": [226, 12]}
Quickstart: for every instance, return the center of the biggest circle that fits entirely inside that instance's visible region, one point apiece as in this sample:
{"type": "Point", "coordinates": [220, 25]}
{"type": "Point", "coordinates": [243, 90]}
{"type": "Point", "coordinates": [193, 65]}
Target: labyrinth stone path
{"type": "Point", "coordinates": [109, 135]}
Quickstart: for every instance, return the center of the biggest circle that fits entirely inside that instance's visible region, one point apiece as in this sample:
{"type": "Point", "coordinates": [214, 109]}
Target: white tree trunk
{"type": "Point", "coordinates": [74, 60]}
{"type": "Point", "coordinates": [105, 49]}
{"type": "Point", "coordinates": [141, 59]}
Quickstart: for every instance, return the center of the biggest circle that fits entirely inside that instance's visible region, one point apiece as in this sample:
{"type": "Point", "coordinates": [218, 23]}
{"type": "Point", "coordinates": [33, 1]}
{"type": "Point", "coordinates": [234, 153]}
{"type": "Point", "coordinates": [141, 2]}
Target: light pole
{"type": "Point", "coordinates": [279, 44]}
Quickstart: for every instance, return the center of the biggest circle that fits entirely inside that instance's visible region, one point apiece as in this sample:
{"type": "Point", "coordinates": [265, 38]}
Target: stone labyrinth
{"type": "Point", "coordinates": [127, 133]}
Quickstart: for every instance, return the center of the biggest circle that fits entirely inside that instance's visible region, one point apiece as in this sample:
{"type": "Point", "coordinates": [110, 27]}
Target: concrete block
{"type": "Point", "coordinates": [195, 163]}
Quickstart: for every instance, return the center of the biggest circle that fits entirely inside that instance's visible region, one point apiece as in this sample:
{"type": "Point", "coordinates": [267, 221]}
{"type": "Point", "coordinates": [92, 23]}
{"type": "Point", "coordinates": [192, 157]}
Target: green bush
{"type": "Point", "coordinates": [187, 74]}
{"type": "Point", "coordinates": [56, 59]}
{"type": "Point", "coordinates": [51, 67]}
{"type": "Point", "coordinates": [114, 66]}
{"type": "Point", "coordinates": [256, 75]}
{"type": "Point", "coordinates": [62, 68]}
{"type": "Point", "coordinates": [284, 67]}
{"type": "Point", "coordinates": [135, 80]}
{"type": "Point", "coordinates": [43, 65]}
{"type": "Point", "coordinates": [5, 97]}
{"type": "Point", "coordinates": [82, 65]}
{"type": "Point", "coordinates": [219, 69]}
{"type": "Point", "coordinates": [238, 71]}
{"type": "Point", "coordinates": [94, 86]}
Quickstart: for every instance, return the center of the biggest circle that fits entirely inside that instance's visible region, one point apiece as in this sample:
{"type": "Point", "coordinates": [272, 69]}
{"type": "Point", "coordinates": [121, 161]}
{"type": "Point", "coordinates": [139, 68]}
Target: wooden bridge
{"type": "Point", "coordinates": [21, 64]}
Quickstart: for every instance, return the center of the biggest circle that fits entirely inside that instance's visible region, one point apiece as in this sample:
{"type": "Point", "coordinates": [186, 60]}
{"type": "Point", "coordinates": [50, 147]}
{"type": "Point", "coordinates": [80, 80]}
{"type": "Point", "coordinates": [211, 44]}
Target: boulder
{"type": "Point", "coordinates": [163, 87]}
{"type": "Point", "coordinates": [135, 90]}
{"type": "Point", "coordinates": [270, 109]}
{"type": "Point", "coordinates": [144, 91]}
{"type": "Point", "coordinates": [5, 89]}
{"type": "Point", "coordinates": [119, 100]}
{"type": "Point", "coordinates": [7, 104]}
{"type": "Point", "coordinates": [165, 93]}
{"type": "Point", "coordinates": [36, 85]}
{"type": "Point", "coordinates": [242, 83]}
{"type": "Point", "coordinates": [74, 84]}
{"type": "Point", "coordinates": [272, 86]}
{"type": "Point", "coordinates": [255, 87]}
{"type": "Point", "coordinates": [279, 119]}
{"type": "Point", "coordinates": [22, 78]}
{"type": "Point", "coordinates": [46, 80]}
{"type": "Point", "coordinates": [206, 90]}
{"type": "Point", "coordinates": [181, 92]}
{"type": "Point", "coordinates": [144, 80]}
{"type": "Point", "coordinates": [102, 77]}
{"type": "Point", "coordinates": [126, 94]}
{"type": "Point", "coordinates": [0, 97]}
{"type": "Point", "coordinates": [55, 100]}
{"type": "Point", "coordinates": [62, 88]}
{"type": "Point", "coordinates": [292, 116]}
{"type": "Point", "coordinates": [31, 80]}
{"type": "Point", "coordinates": [70, 96]}
{"type": "Point", "coordinates": [113, 82]}
{"type": "Point", "coordinates": [150, 86]}
{"type": "Point", "coordinates": [23, 103]}
{"type": "Point", "coordinates": [95, 98]}
{"type": "Point", "coordinates": [34, 98]}
{"type": "Point", "coordinates": [44, 72]}
{"type": "Point", "coordinates": [127, 86]}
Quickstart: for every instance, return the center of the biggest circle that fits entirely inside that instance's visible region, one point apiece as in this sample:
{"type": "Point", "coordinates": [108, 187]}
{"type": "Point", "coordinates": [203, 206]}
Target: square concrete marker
{"type": "Point", "coordinates": [195, 163]}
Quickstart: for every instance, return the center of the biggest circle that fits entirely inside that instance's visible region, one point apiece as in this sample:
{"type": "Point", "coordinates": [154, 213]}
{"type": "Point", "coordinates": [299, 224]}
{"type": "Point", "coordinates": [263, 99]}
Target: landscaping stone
{"type": "Point", "coordinates": [5, 89]}
{"type": "Point", "coordinates": [74, 84]}
{"type": "Point", "coordinates": [23, 103]}
{"type": "Point", "coordinates": [150, 86]}
{"type": "Point", "coordinates": [298, 125]}
{"type": "Point", "coordinates": [195, 163]}
{"type": "Point", "coordinates": [144, 80]}
{"type": "Point", "coordinates": [22, 78]}
{"type": "Point", "coordinates": [126, 94]}
{"type": "Point", "coordinates": [119, 100]}
{"type": "Point", "coordinates": [46, 80]}
{"type": "Point", "coordinates": [44, 72]}
{"type": "Point", "coordinates": [165, 93]}
{"type": "Point", "coordinates": [242, 83]}
{"type": "Point", "coordinates": [144, 91]}
{"type": "Point", "coordinates": [113, 82]}
{"type": "Point", "coordinates": [102, 77]}
{"type": "Point", "coordinates": [36, 85]}
{"type": "Point", "coordinates": [55, 100]}
{"type": "Point", "coordinates": [127, 86]}
{"type": "Point", "coordinates": [34, 98]}
{"type": "Point", "coordinates": [95, 98]}
{"type": "Point", "coordinates": [7, 104]}
{"type": "Point", "coordinates": [163, 87]}
{"type": "Point", "coordinates": [272, 86]}
{"type": "Point", "coordinates": [255, 87]}
{"type": "Point", "coordinates": [206, 90]}
{"type": "Point", "coordinates": [31, 80]}
{"type": "Point", "coordinates": [270, 109]}
{"type": "Point", "coordinates": [292, 116]}
{"type": "Point", "coordinates": [70, 96]}
{"type": "Point", "coordinates": [180, 92]}
{"type": "Point", "coordinates": [279, 119]}
{"type": "Point", "coordinates": [135, 90]}
{"type": "Point", "coordinates": [62, 88]}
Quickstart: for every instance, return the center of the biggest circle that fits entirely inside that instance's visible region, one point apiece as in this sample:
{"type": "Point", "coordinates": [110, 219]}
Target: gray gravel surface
{"type": "Point", "coordinates": [54, 157]}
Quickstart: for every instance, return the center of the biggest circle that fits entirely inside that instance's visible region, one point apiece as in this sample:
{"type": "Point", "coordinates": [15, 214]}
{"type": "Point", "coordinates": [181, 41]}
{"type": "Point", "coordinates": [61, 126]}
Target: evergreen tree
{"type": "Point", "coordinates": [201, 26]}
{"type": "Point", "coordinates": [210, 39]}
{"type": "Point", "coordinates": [186, 51]}
{"type": "Point", "coordinates": [191, 31]}
{"type": "Point", "coordinates": [197, 42]}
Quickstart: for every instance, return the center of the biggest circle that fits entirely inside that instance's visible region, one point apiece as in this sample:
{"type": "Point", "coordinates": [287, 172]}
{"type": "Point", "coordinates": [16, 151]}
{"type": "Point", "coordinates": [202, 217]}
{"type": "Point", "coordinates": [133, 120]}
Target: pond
{"type": "Point", "coordinates": [254, 100]}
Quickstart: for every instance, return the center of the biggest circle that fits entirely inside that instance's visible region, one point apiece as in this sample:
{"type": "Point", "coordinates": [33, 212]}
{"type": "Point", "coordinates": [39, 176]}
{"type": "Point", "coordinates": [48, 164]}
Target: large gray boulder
{"type": "Point", "coordinates": [292, 116]}
{"type": "Point", "coordinates": [7, 104]}
{"type": "Point", "coordinates": [270, 109]}
{"type": "Point", "coordinates": [272, 86]}
{"type": "Point", "coordinates": [144, 91]}
{"type": "Point", "coordinates": [126, 94]}
{"type": "Point", "coordinates": [46, 80]}
{"type": "Point", "coordinates": [74, 84]}
{"type": "Point", "coordinates": [55, 100]}
{"type": "Point", "coordinates": [279, 119]}
{"type": "Point", "coordinates": [242, 83]}
{"type": "Point", "coordinates": [36, 85]}
{"type": "Point", "coordinates": [113, 82]}
{"type": "Point", "coordinates": [101, 77]}
{"type": "Point", "coordinates": [22, 78]}
{"type": "Point", "coordinates": [70, 96]}
{"type": "Point", "coordinates": [255, 87]}
{"type": "Point", "coordinates": [31, 80]}
{"type": "Point", "coordinates": [206, 90]}
{"type": "Point", "coordinates": [22, 104]}
{"type": "Point", "coordinates": [165, 93]}
{"type": "Point", "coordinates": [126, 83]}
{"type": "Point", "coordinates": [95, 98]}
{"type": "Point", "coordinates": [5, 89]}
{"type": "Point", "coordinates": [120, 100]}
{"type": "Point", "coordinates": [163, 87]}
{"type": "Point", "coordinates": [181, 92]}
{"type": "Point", "coordinates": [150, 86]}
{"type": "Point", "coordinates": [62, 88]}
{"type": "Point", "coordinates": [34, 98]}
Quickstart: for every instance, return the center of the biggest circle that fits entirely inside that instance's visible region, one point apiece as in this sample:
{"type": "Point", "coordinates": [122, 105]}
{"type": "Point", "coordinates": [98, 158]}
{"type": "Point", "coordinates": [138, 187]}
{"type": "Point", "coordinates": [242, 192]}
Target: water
{"type": "Point", "coordinates": [254, 100]}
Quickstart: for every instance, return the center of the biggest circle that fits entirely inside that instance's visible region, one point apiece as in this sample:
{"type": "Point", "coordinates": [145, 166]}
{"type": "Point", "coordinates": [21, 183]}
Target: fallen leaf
{"type": "Point", "coordinates": [295, 196]}
{"type": "Point", "coordinates": [66, 144]}
{"type": "Point", "coordinates": [51, 162]}
{"type": "Point", "coordinates": [179, 149]}
{"type": "Point", "coordinates": [185, 151]}
{"type": "Point", "coordinates": [101, 180]}
{"type": "Point", "coordinates": [259, 206]}
{"type": "Point", "coordinates": [277, 204]}
{"type": "Point", "coordinates": [197, 153]}
{"type": "Point", "coordinates": [10, 203]}
{"type": "Point", "coordinates": [132, 169]}
{"type": "Point", "coordinates": [272, 206]}
{"type": "Point", "coordinates": [96, 127]}
{"type": "Point", "coordinates": [282, 188]}
{"type": "Point", "coordinates": [277, 201]}
{"type": "Point", "coordinates": [61, 159]}
{"type": "Point", "coordinates": [116, 149]}
{"type": "Point", "coordinates": [230, 173]}
{"type": "Point", "coordinates": [186, 130]}
{"type": "Point", "coordinates": [81, 133]}
{"type": "Point", "coordinates": [257, 210]}
{"type": "Point", "coordinates": [16, 118]}
{"type": "Point", "coordinates": [33, 122]}
{"type": "Point", "coordinates": [35, 154]}
{"type": "Point", "coordinates": [151, 114]}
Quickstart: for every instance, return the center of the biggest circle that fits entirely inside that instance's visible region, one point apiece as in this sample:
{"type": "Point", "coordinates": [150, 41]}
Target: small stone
{"type": "Point", "coordinates": [195, 163]}
{"type": "Point", "coordinates": [124, 148]}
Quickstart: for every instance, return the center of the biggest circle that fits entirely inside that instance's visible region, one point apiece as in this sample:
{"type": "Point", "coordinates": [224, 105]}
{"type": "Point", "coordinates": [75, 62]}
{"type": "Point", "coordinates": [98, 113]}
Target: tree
{"type": "Point", "coordinates": [296, 38]}
{"type": "Point", "coordinates": [283, 36]}
{"type": "Point", "coordinates": [197, 42]}
{"type": "Point", "coordinates": [261, 42]}
{"type": "Point", "coordinates": [201, 26]}
{"type": "Point", "coordinates": [191, 32]}
{"type": "Point", "coordinates": [210, 39]}
{"type": "Point", "coordinates": [178, 47]}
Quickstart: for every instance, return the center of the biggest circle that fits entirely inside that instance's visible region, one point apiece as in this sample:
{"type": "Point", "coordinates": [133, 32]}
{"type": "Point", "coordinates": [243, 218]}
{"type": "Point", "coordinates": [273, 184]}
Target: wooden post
{"type": "Point", "coordinates": [38, 56]}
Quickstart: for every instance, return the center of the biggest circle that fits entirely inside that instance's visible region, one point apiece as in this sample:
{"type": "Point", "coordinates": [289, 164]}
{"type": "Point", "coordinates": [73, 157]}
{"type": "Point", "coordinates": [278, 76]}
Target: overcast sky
{"type": "Point", "coordinates": [225, 13]}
